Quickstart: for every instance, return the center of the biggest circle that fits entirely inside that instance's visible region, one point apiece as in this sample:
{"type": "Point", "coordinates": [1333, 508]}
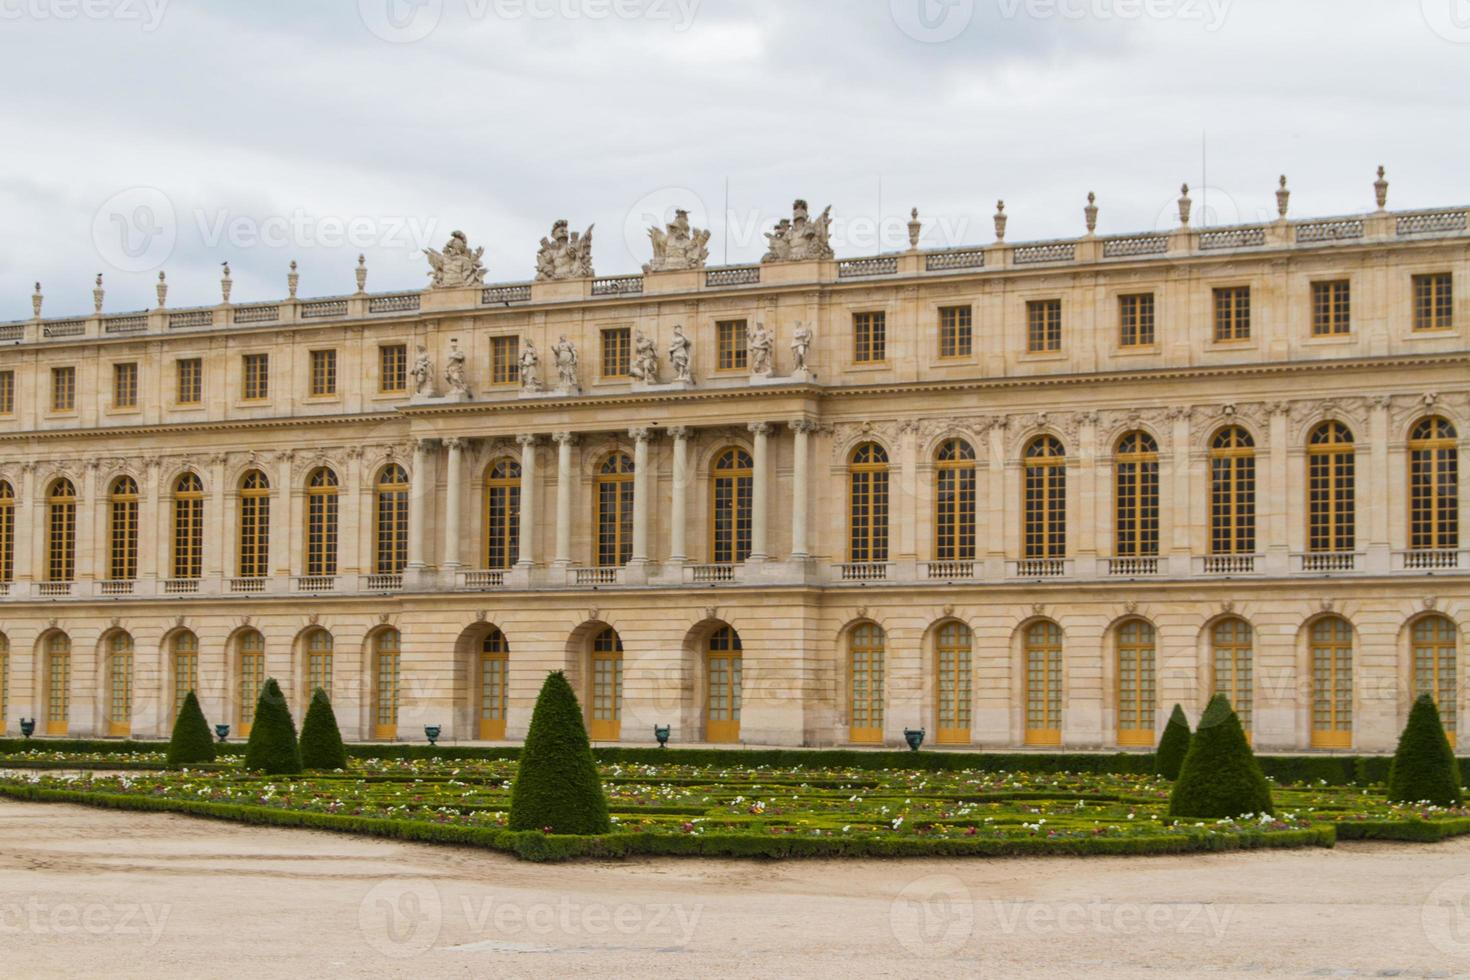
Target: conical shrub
{"type": "Point", "coordinates": [1173, 745]}
{"type": "Point", "coordinates": [191, 741]}
{"type": "Point", "coordinates": [272, 748]}
{"type": "Point", "coordinates": [557, 785]}
{"type": "Point", "coordinates": [1424, 767]}
{"type": "Point", "coordinates": [1220, 776]}
{"type": "Point", "coordinates": [321, 740]}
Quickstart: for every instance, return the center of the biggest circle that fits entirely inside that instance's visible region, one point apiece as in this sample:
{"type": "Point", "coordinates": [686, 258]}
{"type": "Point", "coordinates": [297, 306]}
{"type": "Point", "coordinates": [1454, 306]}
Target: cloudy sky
{"type": "Point", "coordinates": [139, 135]}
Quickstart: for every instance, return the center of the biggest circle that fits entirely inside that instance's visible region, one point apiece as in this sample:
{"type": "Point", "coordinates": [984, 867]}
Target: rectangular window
{"type": "Point", "coordinates": [1331, 308]}
{"type": "Point", "coordinates": [732, 345]}
{"type": "Point", "coordinates": [869, 338]}
{"type": "Point", "coordinates": [955, 332]}
{"type": "Point", "coordinates": [323, 373]}
{"type": "Point", "coordinates": [1434, 302]}
{"type": "Point", "coordinates": [1232, 314]}
{"type": "Point", "coordinates": [7, 392]}
{"type": "Point", "coordinates": [617, 344]}
{"type": "Point", "coordinates": [63, 389]}
{"type": "Point", "coordinates": [190, 381]}
{"type": "Point", "coordinates": [1043, 326]}
{"type": "Point", "coordinates": [125, 385]}
{"type": "Point", "coordinates": [392, 368]}
{"type": "Point", "coordinates": [1136, 320]}
{"type": "Point", "coordinates": [505, 360]}
{"type": "Point", "coordinates": [256, 383]}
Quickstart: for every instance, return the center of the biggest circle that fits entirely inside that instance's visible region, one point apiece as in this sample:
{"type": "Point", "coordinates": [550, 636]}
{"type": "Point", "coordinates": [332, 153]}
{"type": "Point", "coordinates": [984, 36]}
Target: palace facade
{"type": "Point", "coordinates": [1014, 494]}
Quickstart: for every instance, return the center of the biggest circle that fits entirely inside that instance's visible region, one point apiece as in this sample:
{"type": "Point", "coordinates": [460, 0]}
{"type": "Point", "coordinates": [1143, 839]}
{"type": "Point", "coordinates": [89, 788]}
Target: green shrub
{"type": "Point", "coordinates": [272, 748]}
{"type": "Point", "coordinates": [1220, 776]}
{"type": "Point", "coordinates": [191, 741]}
{"type": "Point", "coordinates": [1173, 745]}
{"type": "Point", "coordinates": [321, 740]}
{"type": "Point", "coordinates": [1424, 769]}
{"type": "Point", "coordinates": [556, 784]}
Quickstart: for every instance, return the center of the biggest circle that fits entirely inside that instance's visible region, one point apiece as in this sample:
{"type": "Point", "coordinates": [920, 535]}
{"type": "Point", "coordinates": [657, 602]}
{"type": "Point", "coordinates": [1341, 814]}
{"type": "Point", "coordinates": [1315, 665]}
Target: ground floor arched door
{"type": "Point", "coordinates": [865, 684]}
{"type": "Point", "coordinates": [58, 684]}
{"type": "Point", "coordinates": [723, 658]}
{"type": "Point", "coordinates": [605, 708]}
{"type": "Point", "coordinates": [119, 685]}
{"type": "Point", "coordinates": [385, 684]}
{"type": "Point", "coordinates": [494, 678]}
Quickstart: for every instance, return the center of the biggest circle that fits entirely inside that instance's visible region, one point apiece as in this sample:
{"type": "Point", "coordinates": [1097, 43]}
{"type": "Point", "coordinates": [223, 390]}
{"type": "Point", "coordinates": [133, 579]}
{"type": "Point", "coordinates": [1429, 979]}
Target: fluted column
{"type": "Point", "coordinates": [679, 513]}
{"type": "Point", "coordinates": [564, 442]}
{"type": "Point", "coordinates": [640, 438]}
{"type": "Point", "coordinates": [453, 503]}
{"type": "Point", "coordinates": [418, 499]}
{"type": "Point", "coordinates": [89, 543]}
{"type": "Point", "coordinates": [799, 487]}
{"type": "Point", "coordinates": [280, 517]}
{"type": "Point", "coordinates": [527, 534]}
{"type": "Point", "coordinates": [759, 476]}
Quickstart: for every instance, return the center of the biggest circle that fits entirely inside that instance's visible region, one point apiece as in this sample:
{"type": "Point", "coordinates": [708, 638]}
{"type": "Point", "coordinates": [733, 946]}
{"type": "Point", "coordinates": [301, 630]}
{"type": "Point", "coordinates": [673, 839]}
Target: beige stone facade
{"type": "Point", "coordinates": [1000, 501]}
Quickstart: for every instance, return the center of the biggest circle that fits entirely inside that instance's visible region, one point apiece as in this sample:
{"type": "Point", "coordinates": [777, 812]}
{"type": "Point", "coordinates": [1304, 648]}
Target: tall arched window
{"type": "Point", "coordinates": [188, 527]}
{"type": "Point", "coordinates": [954, 502]}
{"type": "Point", "coordinates": [4, 680]}
{"type": "Point", "coordinates": [502, 513]}
{"type": "Point", "coordinates": [1434, 486]}
{"type": "Point", "coordinates": [494, 684]}
{"type": "Point", "coordinates": [255, 525]}
{"type": "Point", "coordinates": [867, 504]}
{"type": "Point", "coordinates": [1435, 663]}
{"type": "Point", "coordinates": [1232, 492]}
{"type": "Point", "coordinates": [866, 665]}
{"type": "Point", "coordinates": [321, 523]}
{"type": "Point", "coordinates": [185, 649]}
{"type": "Point", "coordinates": [119, 685]}
{"type": "Point", "coordinates": [390, 521]}
{"type": "Point", "coordinates": [1332, 683]}
{"type": "Point", "coordinates": [1330, 479]}
{"type": "Point", "coordinates": [7, 534]}
{"type": "Point", "coordinates": [1232, 653]}
{"type": "Point", "coordinates": [385, 684]}
{"type": "Point", "coordinates": [1136, 682]}
{"type": "Point", "coordinates": [1043, 653]}
{"type": "Point", "coordinates": [952, 646]}
{"type": "Point", "coordinates": [318, 664]}
{"type": "Point", "coordinates": [249, 678]}
{"type": "Point", "coordinates": [61, 532]}
{"type": "Point", "coordinates": [731, 491]}
{"type": "Point", "coordinates": [1045, 499]}
{"type": "Point", "coordinates": [1136, 496]}
{"type": "Point", "coordinates": [605, 709]}
{"type": "Point", "coordinates": [724, 658]}
{"type": "Point", "coordinates": [122, 531]}
{"type": "Point", "coordinates": [58, 683]}
{"type": "Point", "coordinates": [615, 510]}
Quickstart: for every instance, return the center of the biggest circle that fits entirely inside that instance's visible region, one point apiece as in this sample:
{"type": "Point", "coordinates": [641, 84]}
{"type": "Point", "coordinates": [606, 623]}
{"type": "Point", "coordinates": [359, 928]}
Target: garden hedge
{"type": "Point", "coordinates": [192, 742]}
{"type": "Point", "coordinates": [1173, 745]}
{"type": "Point", "coordinates": [557, 786]}
{"type": "Point", "coordinates": [1424, 768]}
{"type": "Point", "coordinates": [1220, 777]}
{"type": "Point", "coordinates": [321, 739]}
{"type": "Point", "coordinates": [272, 748]}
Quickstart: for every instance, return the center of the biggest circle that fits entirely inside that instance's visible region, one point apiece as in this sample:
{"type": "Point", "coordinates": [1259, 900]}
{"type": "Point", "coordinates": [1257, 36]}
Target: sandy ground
{"type": "Point", "coordinates": [91, 892]}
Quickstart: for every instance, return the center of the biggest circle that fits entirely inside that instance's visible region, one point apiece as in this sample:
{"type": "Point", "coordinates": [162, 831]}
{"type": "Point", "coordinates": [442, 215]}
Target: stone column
{"type": "Point", "coordinates": [527, 534]}
{"type": "Point", "coordinates": [280, 521]}
{"type": "Point", "coordinates": [1275, 520]}
{"type": "Point", "coordinates": [564, 477]}
{"type": "Point", "coordinates": [759, 477]}
{"type": "Point", "coordinates": [218, 550]}
{"type": "Point", "coordinates": [418, 499]}
{"type": "Point", "coordinates": [91, 563]}
{"type": "Point", "coordinates": [453, 503]}
{"type": "Point", "coordinates": [800, 478]}
{"type": "Point", "coordinates": [1379, 554]}
{"type": "Point", "coordinates": [150, 559]}
{"type": "Point", "coordinates": [679, 515]}
{"type": "Point", "coordinates": [350, 559]}
{"type": "Point", "coordinates": [30, 513]}
{"type": "Point", "coordinates": [640, 438]}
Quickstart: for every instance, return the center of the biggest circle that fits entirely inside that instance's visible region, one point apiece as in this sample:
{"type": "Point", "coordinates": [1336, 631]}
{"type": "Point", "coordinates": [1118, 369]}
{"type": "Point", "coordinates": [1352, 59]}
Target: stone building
{"type": "Point", "coordinates": [1012, 494]}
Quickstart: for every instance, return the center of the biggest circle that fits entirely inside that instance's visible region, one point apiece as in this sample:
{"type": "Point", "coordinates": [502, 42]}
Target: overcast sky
{"type": "Point", "coordinates": [139, 135]}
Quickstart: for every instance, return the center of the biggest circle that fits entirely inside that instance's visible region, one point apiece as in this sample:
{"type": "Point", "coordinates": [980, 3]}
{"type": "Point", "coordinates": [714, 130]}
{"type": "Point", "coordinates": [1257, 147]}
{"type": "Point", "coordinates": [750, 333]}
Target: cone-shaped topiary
{"type": "Point", "coordinates": [1220, 776]}
{"type": "Point", "coordinates": [1173, 746]}
{"type": "Point", "coordinates": [321, 741]}
{"type": "Point", "coordinates": [557, 785]}
{"type": "Point", "coordinates": [272, 748]}
{"type": "Point", "coordinates": [191, 741]}
{"type": "Point", "coordinates": [1424, 767]}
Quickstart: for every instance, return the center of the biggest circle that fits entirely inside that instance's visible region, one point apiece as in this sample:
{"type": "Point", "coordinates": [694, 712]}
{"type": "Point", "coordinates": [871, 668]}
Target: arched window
{"type": "Point", "coordinates": [954, 502]}
{"type": "Point", "coordinates": [1330, 478]}
{"type": "Point", "coordinates": [1136, 682]}
{"type": "Point", "coordinates": [1045, 499]}
{"type": "Point", "coordinates": [1434, 486]}
{"type": "Point", "coordinates": [185, 647]}
{"type": "Point", "coordinates": [614, 499]}
{"type": "Point", "coordinates": [606, 704]}
{"type": "Point", "coordinates": [723, 660]}
{"type": "Point", "coordinates": [255, 525]}
{"type": "Point", "coordinates": [1043, 653]}
{"type": "Point", "coordinates": [1232, 492]}
{"type": "Point", "coordinates": [494, 684]}
{"type": "Point", "coordinates": [122, 532]}
{"type": "Point", "coordinates": [58, 683]}
{"type": "Point", "coordinates": [952, 646]}
{"type": "Point", "coordinates": [867, 504]}
{"type": "Point", "coordinates": [318, 664]}
{"type": "Point", "coordinates": [731, 490]}
{"type": "Point", "coordinates": [249, 678]}
{"type": "Point", "coordinates": [1136, 496]}
{"type": "Point", "coordinates": [188, 527]}
{"type": "Point", "coordinates": [119, 685]}
{"type": "Point", "coordinates": [866, 663]}
{"type": "Point", "coordinates": [321, 523]}
{"type": "Point", "coordinates": [390, 517]}
{"type": "Point", "coordinates": [61, 532]}
{"type": "Point", "coordinates": [4, 680]}
{"type": "Point", "coordinates": [1332, 684]}
{"type": "Point", "coordinates": [385, 684]}
{"type": "Point", "coordinates": [502, 513]}
{"type": "Point", "coordinates": [7, 534]}
{"type": "Point", "coordinates": [1232, 652]}
{"type": "Point", "coordinates": [1435, 660]}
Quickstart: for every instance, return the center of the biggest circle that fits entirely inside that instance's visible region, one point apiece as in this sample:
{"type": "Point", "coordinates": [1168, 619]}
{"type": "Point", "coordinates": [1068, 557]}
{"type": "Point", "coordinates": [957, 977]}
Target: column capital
{"type": "Point", "coordinates": [760, 428]}
{"type": "Point", "coordinates": [564, 438]}
{"type": "Point", "coordinates": [423, 445]}
{"type": "Point", "coordinates": [803, 425]}
{"type": "Point", "coordinates": [642, 433]}
{"type": "Point", "coordinates": [455, 443]}
{"type": "Point", "coordinates": [526, 439]}
{"type": "Point", "coordinates": [680, 431]}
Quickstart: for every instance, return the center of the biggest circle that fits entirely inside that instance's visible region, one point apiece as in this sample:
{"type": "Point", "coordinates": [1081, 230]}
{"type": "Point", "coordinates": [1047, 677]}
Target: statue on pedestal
{"type": "Point", "coordinates": [530, 367]}
{"type": "Point", "coordinates": [454, 374]}
{"type": "Point", "coordinates": [423, 371]}
{"type": "Point", "coordinates": [679, 246]}
{"type": "Point", "coordinates": [760, 350]}
{"type": "Point", "coordinates": [681, 353]}
{"type": "Point", "coordinates": [799, 237]}
{"type": "Point", "coordinates": [565, 353]}
{"type": "Point", "coordinates": [645, 360]}
{"type": "Point", "coordinates": [456, 266]}
{"type": "Point", "coordinates": [565, 255]}
{"type": "Point", "coordinates": [801, 342]}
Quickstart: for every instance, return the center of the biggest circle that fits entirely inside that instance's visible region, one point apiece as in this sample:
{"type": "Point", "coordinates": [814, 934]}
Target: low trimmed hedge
{"type": "Point", "coordinates": [1420, 831]}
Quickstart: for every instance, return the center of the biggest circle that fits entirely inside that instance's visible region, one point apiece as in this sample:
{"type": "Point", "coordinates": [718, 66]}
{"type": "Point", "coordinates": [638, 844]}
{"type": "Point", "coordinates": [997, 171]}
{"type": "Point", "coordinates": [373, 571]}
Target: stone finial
{"type": "Point", "coordinates": [1185, 206]}
{"type": "Point", "coordinates": [1283, 198]}
{"type": "Point", "coordinates": [1000, 221]}
{"type": "Point", "coordinates": [361, 273]}
{"type": "Point", "coordinates": [36, 299]}
{"type": "Point", "coordinates": [1380, 188]}
{"type": "Point", "coordinates": [916, 227]}
{"type": "Point", "coordinates": [293, 280]}
{"type": "Point", "coordinates": [1090, 212]}
{"type": "Point", "coordinates": [225, 283]}
{"type": "Point", "coordinates": [97, 295]}
{"type": "Point", "coordinates": [162, 290]}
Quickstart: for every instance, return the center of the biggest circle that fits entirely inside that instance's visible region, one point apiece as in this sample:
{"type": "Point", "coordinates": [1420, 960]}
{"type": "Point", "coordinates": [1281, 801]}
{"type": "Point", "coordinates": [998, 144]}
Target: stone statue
{"type": "Point", "coordinates": [566, 363]}
{"type": "Point", "coordinates": [760, 350]}
{"type": "Point", "coordinates": [679, 246]}
{"type": "Point", "coordinates": [681, 352]}
{"type": "Point", "coordinates": [454, 370]}
{"type": "Point", "coordinates": [801, 342]}
{"type": "Point", "coordinates": [800, 238]}
{"type": "Point", "coordinates": [564, 255]}
{"type": "Point", "coordinates": [645, 360]}
{"type": "Point", "coordinates": [423, 371]}
{"type": "Point", "coordinates": [530, 367]}
{"type": "Point", "coordinates": [456, 265]}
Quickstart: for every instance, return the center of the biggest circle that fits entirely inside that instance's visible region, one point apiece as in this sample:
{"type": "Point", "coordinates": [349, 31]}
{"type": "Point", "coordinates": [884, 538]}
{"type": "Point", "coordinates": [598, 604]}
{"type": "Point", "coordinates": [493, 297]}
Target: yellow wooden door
{"type": "Point", "coordinates": [606, 709]}
{"type": "Point", "coordinates": [494, 675]}
{"type": "Point", "coordinates": [865, 662]}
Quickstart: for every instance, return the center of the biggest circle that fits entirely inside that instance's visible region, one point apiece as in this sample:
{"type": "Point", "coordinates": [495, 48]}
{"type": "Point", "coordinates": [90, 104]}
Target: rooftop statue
{"type": "Point", "coordinates": [679, 246]}
{"type": "Point", "coordinates": [456, 266]}
{"type": "Point", "coordinates": [800, 238]}
{"type": "Point", "coordinates": [564, 255]}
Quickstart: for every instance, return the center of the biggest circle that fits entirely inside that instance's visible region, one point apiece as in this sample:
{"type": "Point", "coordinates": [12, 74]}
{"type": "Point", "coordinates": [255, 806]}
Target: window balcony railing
{"type": "Point", "coordinates": [54, 590]}
{"type": "Point", "coordinates": [1039, 568]}
{"type": "Point", "coordinates": [482, 579]}
{"type": "Point", "coordinates": [710, 574]}
{"type": "Point", "coordinates": [949, 570]}
{"type": "Point", "coordinates": [180, 586]}
{"type": "Point", "coordinates": [384, 583]}
{"type": "Point", "coordinates": [124, 586]}
{"type": "Point", "coordinates": [1328, 561]}
{"type": "Point", "coordinates": [602, 575]}
{"type": "Point", "coordinates": [5, 588]}
{"type": "Point", "coordinates": [316, 583]}
{"type": "Point", "coordinates": [863, 571]}
{"type": "Point", "coordinates": [246, 585]}
{"type": "Point", "coordinates": [1430, 560]}
{"type": "Point", "coordinates": [1226, 564]}
{"type": "Point", "coordinates": [1133, 567]}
